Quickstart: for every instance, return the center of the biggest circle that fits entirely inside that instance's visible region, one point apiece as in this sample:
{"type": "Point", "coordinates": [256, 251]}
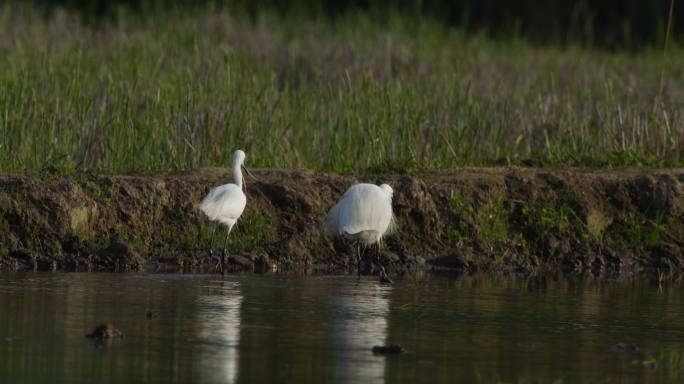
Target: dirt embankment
{"type": "Point", "coordinates": [469, 219]}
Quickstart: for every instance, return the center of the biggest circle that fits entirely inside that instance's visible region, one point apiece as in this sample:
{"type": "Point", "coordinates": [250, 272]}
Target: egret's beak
{"type": "Point", "coordinates": [244, 184]}
{"type": "Point", "coordinates": [248, 172]}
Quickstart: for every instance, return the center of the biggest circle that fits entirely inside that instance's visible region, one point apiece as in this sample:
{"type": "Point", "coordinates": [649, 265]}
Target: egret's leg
{"type": "Point", "coordinates": [377, 255]}
{"type": "Point", "coordinates": [211, 244]}
{"type": "Point", "coordinates": [222, 259]}
{"type": "Point", "coordinates": [383, 274]}
{"type": "Point", "coordinates": [416, 269]}
{"type": "Point", "coordinates": [358, 258]}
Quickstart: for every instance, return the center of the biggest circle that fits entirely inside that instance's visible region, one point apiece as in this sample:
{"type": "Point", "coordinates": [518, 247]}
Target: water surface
{"type": "Point", "coordinates": [270, 328]}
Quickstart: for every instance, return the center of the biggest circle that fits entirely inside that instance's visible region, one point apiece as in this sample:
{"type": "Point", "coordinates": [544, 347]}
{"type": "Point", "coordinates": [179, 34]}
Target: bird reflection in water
{"type": "Point", "coordinates": [219, 326]}
{"type": "Point", "coordinates": [361, 323]}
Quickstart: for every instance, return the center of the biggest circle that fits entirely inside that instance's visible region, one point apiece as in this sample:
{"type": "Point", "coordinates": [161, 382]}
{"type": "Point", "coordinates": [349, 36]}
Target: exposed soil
{"type": "Point", "coordinates": [467, 219]}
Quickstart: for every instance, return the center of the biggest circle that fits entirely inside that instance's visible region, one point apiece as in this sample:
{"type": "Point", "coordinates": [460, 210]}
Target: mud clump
{"type": "Point", "coordinates": [467, 219]}
{"type": "Point", "coordinates": [105, 331]}
{"type": "Point", "coordinates": [623, 347]}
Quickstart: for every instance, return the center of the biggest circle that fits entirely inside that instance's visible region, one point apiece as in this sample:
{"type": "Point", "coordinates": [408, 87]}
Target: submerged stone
{"type": "Point", "coordinates": [392, 349]}
{"type": "Point", "coordinates": [105, 331]}
{"type": "Point", "coordinates": [624, 348]}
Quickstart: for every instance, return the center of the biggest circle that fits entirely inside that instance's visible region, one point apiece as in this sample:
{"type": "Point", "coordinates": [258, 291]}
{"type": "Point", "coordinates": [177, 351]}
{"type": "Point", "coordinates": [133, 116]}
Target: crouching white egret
{"type": "Point", "coordinates": [364, 215]}
{"type": "Point", "coordinates": [224, 204]}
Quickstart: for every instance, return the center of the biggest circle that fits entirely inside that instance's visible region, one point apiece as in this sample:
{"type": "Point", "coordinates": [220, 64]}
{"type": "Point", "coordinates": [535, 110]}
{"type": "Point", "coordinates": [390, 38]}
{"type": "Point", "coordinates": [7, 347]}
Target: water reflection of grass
{"type": "Point", "coordinates": [176, 90]}
{"type": "Point", "coordinates": [667, 364]}
{"type": "Point", "coordinates": [545, 328]}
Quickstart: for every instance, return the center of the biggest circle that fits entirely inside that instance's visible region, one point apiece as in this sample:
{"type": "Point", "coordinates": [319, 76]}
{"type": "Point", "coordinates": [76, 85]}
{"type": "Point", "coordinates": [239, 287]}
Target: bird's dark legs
{"type": "Point", "coordinates": [383, 274]}
{"type": "Point", "coordinates": [415, 276]}
{"type": "Point", "coordinates": [416, 257]}
{"type": "Point", "coordinates": [211, 244]}
{"type": "Point", "coordinates": [358, 258]}
{"type": "Point", "coordinates": [222, 259]}
{"type": "Point", "coordinates": [377, 254]}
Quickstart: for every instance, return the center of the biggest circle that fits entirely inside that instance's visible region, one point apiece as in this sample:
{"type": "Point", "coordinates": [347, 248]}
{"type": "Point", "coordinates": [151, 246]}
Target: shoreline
{"type": "Point", "coordinates": [469, 219]}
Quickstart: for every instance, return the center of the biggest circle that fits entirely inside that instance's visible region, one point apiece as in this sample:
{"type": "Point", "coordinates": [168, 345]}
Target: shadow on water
{"type": "Point", "coordinates": [266, 328]}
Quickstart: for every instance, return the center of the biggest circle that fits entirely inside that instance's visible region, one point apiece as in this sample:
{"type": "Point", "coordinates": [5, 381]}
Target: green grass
{"type": "Point", "coordinates": [637, 232]}
{"type": "Point", "coordinates": [253, 232]}
{"type": "Point", "coordinates": [182, 90]}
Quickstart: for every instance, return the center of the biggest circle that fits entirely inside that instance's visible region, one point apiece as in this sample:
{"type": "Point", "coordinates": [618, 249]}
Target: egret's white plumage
{"type": "Point", "coordinates": [225, 204]}
{"type": "Point", "coordinates": [363, 213]}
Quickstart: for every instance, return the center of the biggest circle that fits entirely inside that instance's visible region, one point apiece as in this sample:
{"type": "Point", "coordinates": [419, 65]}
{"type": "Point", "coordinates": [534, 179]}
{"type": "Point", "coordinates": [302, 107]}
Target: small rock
{"type": "Point", "coordinates": [118, 256]}
{"type": "Point", "coordinates": [624, 348]}
{"type": "Point", "coordinates": [105, 331]}
{"type": "Point", "coordinates": [393, 349]}
{"type": "Point", "coordinates": [240, 263]}
{"type": "Point", "coordinates": [262, 264]}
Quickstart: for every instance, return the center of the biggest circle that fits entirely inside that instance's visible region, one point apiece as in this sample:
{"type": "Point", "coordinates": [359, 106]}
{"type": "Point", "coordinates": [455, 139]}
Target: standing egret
{"type": "Point", "coordinates": [363, 214]}
{"type": "Point", "coordinates": [224, 204]}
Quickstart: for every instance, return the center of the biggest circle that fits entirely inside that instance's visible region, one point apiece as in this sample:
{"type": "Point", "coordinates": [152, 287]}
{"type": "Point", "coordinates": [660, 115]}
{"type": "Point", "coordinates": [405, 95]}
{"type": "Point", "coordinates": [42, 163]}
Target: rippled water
{"type": "Point", "coordinates": [269, 328]}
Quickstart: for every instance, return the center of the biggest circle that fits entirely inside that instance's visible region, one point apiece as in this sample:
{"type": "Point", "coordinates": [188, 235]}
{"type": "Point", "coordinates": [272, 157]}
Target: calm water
{"type": "Point", "coordinates": [269, 328]}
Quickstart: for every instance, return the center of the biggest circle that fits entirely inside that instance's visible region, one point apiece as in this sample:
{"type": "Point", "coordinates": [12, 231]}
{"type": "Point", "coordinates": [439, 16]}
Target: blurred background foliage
{"type": "Point", "coordinates": [608, 23]}
{"type": "Point", "coordinates": [149, 86]}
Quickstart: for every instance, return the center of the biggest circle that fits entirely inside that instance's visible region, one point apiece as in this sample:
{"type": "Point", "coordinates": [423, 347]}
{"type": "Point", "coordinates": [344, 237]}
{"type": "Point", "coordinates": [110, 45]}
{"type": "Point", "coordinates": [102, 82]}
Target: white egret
{"type": "Point", "coordinates": [364, 215]}
{"type": "Point", "coordinates": [224, 204]}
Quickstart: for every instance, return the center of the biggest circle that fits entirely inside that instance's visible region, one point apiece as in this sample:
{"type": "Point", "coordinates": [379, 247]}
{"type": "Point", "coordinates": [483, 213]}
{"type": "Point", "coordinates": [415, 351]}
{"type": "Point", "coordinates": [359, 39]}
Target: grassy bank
{"type": "Point", "coordinates": [603, 222]}
{"type": "Point", "coordinates": [178, 91]}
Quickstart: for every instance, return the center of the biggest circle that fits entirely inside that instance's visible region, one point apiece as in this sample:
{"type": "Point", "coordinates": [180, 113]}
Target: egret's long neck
{"type": "Point", "coordinates": [237, 175]}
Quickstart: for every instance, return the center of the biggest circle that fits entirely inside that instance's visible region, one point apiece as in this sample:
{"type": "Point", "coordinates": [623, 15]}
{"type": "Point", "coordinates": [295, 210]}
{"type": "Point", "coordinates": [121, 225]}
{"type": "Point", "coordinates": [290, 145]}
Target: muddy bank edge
{"type": "Point", "coordinates": [466, 219]}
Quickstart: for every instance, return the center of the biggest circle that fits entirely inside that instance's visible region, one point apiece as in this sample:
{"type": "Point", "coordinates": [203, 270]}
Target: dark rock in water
{"type": "Point", "coordinates": [119, 255]}
{"type": "Point", "coordinates": [262, 263]}
{"type": "Point", "coordinates": [117, 248]}
{"type": "Point", "coordinates": [624, 348]}
{"type": "Point", "coordinates": [460, 261]}
{"type": "Point", "coordinates": [393, 349]}
{"type": "Point", "coordinates": [384, 278]}
{"type": "Point", "coordinates": [105, 331]}
{"type": "Point", "coordinates": [238, 262]}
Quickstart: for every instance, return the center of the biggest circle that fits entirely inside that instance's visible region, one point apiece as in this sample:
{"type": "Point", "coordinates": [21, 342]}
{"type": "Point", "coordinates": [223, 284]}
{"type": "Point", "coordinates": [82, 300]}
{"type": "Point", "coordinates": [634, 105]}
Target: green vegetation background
{"type": "Point", "coordinates": [362, 91]}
